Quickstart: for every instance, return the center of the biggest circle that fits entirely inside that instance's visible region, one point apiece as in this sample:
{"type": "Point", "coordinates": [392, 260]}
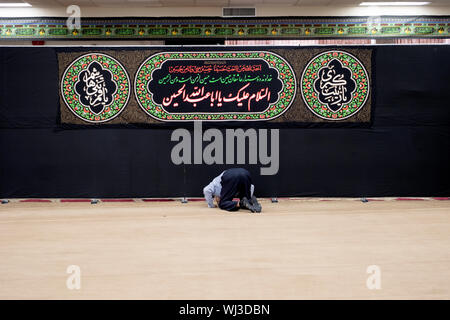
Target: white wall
{"type": "Point", "coordinates": [217, 11]}
{"type": "Point", "coordinates": [206, 11]}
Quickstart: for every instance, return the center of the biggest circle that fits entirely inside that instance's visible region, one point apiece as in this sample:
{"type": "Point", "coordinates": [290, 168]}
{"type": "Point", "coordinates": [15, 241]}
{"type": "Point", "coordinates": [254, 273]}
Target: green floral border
{"type": "Point", "coordinates": [229, 28]}
{"type": "Point", "coordinates": [285, 98]}
{"type": "Point", "coordinates": [359, 74]}
{"type": "Point", "coordinates": [71, 98]}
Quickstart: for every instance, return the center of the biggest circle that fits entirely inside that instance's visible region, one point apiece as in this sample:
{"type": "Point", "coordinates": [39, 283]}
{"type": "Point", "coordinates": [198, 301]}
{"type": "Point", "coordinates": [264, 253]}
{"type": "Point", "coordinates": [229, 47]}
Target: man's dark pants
{"type": "Point", "coordinates": [235, 183]}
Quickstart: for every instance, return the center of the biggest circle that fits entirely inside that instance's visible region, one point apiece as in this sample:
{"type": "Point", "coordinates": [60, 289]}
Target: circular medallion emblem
{"type": "Point", "coordinates": [95, 87]}
{"type": "Point", "coordinates": [335, 85]}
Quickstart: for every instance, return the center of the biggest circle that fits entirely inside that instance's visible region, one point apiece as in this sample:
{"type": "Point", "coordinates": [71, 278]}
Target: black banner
{"type": "Point", "coordinates": [289, 85]}
{"type": "Point", "coordinates": [405, 151]}
{"type": "Point", "coordinates": [227, 86]}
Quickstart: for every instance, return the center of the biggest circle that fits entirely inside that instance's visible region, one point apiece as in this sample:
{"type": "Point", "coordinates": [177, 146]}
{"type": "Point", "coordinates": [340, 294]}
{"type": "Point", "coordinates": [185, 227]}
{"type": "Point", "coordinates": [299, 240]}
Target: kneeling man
{"type": "Point", "coordinates": [232, 183]}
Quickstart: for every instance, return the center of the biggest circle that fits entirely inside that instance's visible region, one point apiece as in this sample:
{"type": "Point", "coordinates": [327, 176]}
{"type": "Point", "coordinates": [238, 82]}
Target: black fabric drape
{"type": "Point", "coordinates": [404, 153]}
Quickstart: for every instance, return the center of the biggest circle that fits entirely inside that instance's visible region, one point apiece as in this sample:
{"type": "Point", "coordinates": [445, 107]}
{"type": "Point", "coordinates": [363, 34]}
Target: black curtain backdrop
{"type": "Point", "coordinates": [404, 153]}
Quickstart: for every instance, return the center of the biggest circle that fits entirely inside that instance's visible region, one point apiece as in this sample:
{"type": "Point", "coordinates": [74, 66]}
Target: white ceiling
{"type": "Point", "coordinates": [206, 3]}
